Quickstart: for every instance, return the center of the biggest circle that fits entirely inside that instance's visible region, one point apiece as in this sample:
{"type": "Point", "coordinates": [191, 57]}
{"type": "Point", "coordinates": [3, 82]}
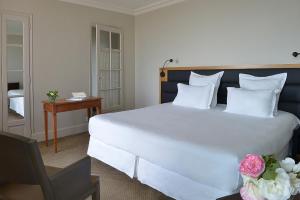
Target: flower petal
{"type": "Point", "coordinates": [250, 192]}
{"type": "Point", "coordinates": [296, 168]}
{"type": "Point", "coordinates": [288, 164]}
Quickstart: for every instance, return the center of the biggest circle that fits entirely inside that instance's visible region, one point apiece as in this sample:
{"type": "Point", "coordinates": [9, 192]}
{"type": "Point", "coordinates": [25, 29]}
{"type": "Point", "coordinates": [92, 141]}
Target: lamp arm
{"type": "Point", "coordinates": [162, 73]}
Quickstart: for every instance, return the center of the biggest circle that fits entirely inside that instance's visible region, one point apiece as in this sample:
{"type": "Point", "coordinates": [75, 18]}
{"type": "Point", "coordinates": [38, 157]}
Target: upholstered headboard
{"type": "Point", "coordinates": [13, 86]}
{"type": "Point", "coordinates": [289, 99]}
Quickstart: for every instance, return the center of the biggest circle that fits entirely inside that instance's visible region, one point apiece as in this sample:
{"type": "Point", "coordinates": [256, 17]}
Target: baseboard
{"type": "Point", "coordinates": [62, 132]}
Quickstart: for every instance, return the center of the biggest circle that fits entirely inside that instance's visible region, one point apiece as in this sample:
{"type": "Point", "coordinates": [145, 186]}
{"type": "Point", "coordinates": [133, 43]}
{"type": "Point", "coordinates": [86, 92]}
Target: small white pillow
{"type": "Point", "coordinates": [258, 103]}
{"type": "Point", "coordinates": [274, 82]}
{"type": "Point", "coordinates": [194, 96]}
{"type": "Point", "coordinates": [200, 80]}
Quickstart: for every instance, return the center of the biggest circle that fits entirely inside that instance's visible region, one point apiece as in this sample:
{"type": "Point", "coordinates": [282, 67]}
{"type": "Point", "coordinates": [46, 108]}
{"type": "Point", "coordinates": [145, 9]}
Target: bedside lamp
{"type": "Point", "coordinates": [162, 73]}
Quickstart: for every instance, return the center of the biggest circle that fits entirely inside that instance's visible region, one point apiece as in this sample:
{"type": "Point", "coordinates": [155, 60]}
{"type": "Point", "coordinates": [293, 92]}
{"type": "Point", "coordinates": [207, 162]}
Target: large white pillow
{"type": "Point", "coordinates": [199, 80]}
{"type": "Point", "coordinates": [15, 93]}
{"type": "Point", "coordinates": [274, 82]}
{"type": "Point", "coordinates": [194, 96]}
{"type": "Point", "coordinates": [258, 103]}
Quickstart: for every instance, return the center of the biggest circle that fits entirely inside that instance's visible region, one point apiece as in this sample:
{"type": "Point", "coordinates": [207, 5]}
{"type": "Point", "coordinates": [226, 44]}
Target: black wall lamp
{"type": "Point", "coordinates": [296, 54]}
{"type": "Point", "coordinates": [162, 73]}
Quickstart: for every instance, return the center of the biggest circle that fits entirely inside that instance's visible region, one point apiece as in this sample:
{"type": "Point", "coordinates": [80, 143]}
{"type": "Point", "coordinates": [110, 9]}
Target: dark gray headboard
{"type": "Point", "coordinates": [289, 99]}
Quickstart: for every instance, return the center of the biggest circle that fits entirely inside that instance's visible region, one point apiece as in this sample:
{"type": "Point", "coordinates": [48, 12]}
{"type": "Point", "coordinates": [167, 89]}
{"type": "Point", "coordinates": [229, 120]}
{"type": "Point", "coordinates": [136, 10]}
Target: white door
{"type": "Point", "coordinates": [109, 67]}
{"type": "Point", "coordinates": [15, 73]}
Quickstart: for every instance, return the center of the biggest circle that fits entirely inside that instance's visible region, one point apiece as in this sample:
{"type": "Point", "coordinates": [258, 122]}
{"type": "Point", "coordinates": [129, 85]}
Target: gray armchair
{"type": "Point", "coordinates": [22, 172]}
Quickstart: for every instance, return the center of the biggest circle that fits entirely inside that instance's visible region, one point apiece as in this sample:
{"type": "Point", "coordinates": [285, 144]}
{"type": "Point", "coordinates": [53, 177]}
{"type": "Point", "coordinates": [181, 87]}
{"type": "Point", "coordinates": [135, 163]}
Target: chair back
{"type": "Point", "coordinates": [21, 163]}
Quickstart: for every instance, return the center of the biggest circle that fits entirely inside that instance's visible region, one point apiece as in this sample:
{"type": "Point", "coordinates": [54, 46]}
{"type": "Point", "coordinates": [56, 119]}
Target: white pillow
{"type": "Point", "coordinates": [194, 96]}
{"type": "Point", "coordinates": [274, 82]}
{"type": "Point", "coordinates": [15, 93]}
{"type": "Point", "coordinates": [258, 103]}
{"type": "Point", "coordinates": [199, 80]}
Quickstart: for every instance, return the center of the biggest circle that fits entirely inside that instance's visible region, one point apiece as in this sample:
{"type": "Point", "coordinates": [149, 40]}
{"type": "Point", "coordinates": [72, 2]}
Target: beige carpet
{"type": "Point", "coordinates": [114, 185]}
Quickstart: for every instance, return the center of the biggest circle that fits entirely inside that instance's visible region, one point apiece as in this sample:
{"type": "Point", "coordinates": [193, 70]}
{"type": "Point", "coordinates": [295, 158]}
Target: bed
{"type": "Point", "coordinates": [193, 154]}
{"type": "Point", "coordinates": [16, 98]}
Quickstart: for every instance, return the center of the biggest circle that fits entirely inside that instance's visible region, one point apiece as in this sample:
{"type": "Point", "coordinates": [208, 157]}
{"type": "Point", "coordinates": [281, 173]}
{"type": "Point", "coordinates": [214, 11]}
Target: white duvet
{"type": "Point", "coordinates": [17, 104]}
{"type": "Point", "coordinates": [203, 145]}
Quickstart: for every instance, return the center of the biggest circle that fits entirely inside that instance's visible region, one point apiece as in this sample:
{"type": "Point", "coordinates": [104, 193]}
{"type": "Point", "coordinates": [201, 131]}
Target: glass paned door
{"type": "Point", "coordinates": [110, 67]}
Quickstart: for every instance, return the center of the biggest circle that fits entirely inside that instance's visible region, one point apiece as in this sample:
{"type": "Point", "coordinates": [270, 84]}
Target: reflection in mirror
{"type": "Point", "coordinates": [14, 59]}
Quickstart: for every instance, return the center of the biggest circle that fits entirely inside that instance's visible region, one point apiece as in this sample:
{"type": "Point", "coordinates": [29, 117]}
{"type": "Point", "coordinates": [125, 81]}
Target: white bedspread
{"type": "Point", "coordinates": [17, 104]}
{"type": "Point", "coordinates": [203, 145]}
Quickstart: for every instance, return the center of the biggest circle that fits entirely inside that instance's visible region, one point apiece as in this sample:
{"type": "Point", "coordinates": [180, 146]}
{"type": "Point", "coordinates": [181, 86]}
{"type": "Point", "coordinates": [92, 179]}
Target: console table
{"type": "Point", "coordinates": [64, 105]}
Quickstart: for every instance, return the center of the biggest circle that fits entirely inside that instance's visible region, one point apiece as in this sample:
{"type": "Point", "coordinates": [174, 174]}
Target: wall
{"type": "Point", "coordinates": [15, 59]}
{"type": "Point", "coordinates": [213, 32]}
{"type": "Point", "coordinates": [61, 54]}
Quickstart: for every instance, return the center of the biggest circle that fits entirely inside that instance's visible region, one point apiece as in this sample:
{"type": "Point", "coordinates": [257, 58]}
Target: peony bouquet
{"type": "Point", "coordinates": [265, 178]}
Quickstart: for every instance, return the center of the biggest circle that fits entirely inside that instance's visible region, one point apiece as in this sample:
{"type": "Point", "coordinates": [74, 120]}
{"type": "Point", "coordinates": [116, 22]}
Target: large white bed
{"type": "Point", "coordinates": [186, 153]}
{"type": "Point", "coordinates": [16, 101]}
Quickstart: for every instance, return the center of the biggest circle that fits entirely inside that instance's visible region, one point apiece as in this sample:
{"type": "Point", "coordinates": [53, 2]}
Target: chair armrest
{"type": "Point", "coordinates": [73, 181]}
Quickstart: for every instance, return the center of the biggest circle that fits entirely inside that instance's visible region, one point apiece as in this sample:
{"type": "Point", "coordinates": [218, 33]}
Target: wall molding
{"type": "Point", "coordinates": [124, 10]}
{"type": "Point", "coordinates": [61, 132]}
{"type": "Point", "coordinates": [101, 5]}
{"type": "Point", "coordinates": [156, 6]}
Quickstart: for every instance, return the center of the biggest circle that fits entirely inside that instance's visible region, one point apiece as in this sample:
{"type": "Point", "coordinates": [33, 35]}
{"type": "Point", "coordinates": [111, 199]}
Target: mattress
{"type": "Point", "coordinates": [202, 145]}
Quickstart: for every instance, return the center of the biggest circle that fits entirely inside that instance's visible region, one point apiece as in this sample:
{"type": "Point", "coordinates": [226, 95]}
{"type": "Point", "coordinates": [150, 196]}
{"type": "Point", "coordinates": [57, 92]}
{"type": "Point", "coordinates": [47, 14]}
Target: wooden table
{"type": "Point", "coordinates": [64, 105]}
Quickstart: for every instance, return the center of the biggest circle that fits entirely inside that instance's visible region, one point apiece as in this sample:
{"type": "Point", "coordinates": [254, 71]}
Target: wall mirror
{"type": "Point", "coordinates": [15, 68]}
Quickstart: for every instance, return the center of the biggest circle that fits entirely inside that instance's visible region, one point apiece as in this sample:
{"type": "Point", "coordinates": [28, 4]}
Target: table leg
{"type": "Point", "coordinates": [54, 118]}
{"type": "Point", "coordinates": [89, 113]}
{"type": "Point", "coordinates": [46, 126]}
{"type": "Point", "coordinates": [98, 110]}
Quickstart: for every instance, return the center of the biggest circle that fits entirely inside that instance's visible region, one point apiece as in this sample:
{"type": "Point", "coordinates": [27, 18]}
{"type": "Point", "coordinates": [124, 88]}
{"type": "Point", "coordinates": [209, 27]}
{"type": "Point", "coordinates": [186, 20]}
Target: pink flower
{"type": "Point", "coordinates": [250, 192]}
{"type": "Point", "coordinates": [252, 165]}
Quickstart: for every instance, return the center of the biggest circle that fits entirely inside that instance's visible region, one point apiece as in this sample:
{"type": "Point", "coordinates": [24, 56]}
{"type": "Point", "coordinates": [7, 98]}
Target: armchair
{"type": "Point", "coordinates": [22, 172]}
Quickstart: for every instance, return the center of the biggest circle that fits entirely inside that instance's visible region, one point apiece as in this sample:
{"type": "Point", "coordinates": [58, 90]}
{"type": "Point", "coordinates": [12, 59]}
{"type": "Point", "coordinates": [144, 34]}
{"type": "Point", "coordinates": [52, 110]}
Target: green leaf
{"type": "Point", "coordinates": [271, 164]}
{"type": "Point", "coordinates": [270, 172]}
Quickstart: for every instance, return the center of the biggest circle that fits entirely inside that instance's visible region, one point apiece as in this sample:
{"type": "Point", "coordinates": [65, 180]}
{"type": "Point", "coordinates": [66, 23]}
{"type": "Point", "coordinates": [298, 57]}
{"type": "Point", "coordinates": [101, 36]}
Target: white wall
{"type": "Point", "coordinates": [15, 59]}
{"type": "Point", "coordinates": [213, 32]}
{"type": "Point", "coordinates": [61, 53]}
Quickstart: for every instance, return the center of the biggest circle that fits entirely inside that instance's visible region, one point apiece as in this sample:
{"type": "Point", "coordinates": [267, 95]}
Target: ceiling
{"type": "Point", "coordinates": [132, 7]}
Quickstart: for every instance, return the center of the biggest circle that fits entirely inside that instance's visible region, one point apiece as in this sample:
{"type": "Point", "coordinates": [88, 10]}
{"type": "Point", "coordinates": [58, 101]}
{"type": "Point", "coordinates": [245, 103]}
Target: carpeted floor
{"type": "Point", "coordinates": [114, 185]}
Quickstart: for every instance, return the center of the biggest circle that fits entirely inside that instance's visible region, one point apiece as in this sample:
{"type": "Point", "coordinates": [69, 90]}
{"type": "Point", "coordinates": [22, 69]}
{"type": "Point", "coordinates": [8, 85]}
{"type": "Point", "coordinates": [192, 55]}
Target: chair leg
{"type": "Point", "coordinates": [96, 194]}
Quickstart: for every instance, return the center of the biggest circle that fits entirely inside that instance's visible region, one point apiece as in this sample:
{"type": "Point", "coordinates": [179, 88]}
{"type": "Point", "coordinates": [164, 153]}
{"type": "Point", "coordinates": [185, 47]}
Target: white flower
{"type": "Point", "coordinates": [250, 192]}
{"type": "Point", "coordinates": [296, 168]}
{"type": "Point", "coordinates": [247, 179]}
{"type": "Point", "coordinates": [288, 164]}
{"type": "Point", "coordinates": [295, 183]}
{"type": "Point", "coordinates": [278, 189]}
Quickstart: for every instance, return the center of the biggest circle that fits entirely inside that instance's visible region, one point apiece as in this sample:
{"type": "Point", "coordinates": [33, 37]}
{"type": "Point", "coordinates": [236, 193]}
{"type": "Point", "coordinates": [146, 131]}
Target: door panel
{"type": "Point", "coordinates": [104, 77]}
{"type": "Point", "coordinates": [109, 66]}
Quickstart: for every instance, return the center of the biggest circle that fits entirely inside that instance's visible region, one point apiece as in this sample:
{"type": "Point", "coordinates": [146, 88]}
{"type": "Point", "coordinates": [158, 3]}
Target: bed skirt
{"type": "Point", "coordinates": [181, 188]}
